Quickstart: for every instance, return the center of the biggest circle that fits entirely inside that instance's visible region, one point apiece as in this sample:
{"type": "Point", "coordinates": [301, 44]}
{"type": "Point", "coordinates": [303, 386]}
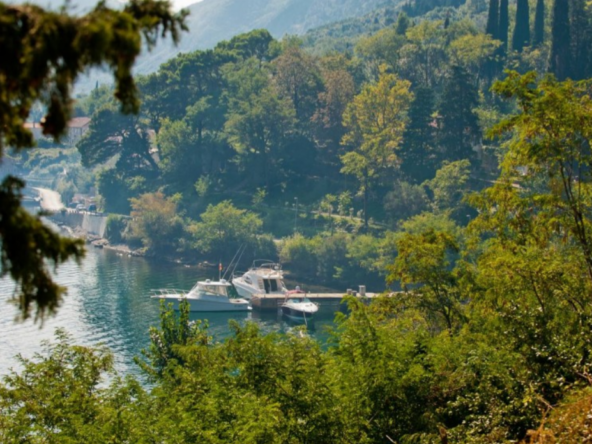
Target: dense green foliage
{"type": "Point", "coordinates": [491, 331]}
{"type": "Point", "coordinates": [266, 121]}
{"type": "Point", "coordinates": [274, 126]}
{"type": "Point", "coordinates": [370, 167]}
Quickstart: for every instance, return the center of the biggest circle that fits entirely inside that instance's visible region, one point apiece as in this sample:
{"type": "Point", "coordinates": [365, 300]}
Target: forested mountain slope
{"type": "Point", "coordinates": [214, 20]}
{"type": "Point", "coordinates": [342, 35]}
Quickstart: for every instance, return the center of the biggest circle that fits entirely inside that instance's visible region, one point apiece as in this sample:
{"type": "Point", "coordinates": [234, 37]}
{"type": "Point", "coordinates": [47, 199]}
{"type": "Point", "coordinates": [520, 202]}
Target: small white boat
{"type": "Point", "coordinates": [264, 277]}
{"type": "Point", "coordinates": [298, 307]}
{"type": "Point", "coordinates": [205, 296]}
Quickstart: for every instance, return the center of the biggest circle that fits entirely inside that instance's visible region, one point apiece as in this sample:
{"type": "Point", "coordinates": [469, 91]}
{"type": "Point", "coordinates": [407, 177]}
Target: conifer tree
{"type": "Point", "coordinates": [521, 36]}
{"type": "Point", "coordinates": [493, 19]}
{"type": "Point", "coordinates": [560, 59]}
{"type": "Point", "coordinates": [504, 25]}
{"type": "Point", "coordinates": [581, 39]}
{"type": "Point", "coordinates": [459, 125]}
{"type": "Point", "coordinates": [492, 29]}
{"type": "Point", "coordinates": [402, 24]}
{"type": "Point", "coordinates": [539, 24]}
{"type": "Point", "coordinates": [418, 149]}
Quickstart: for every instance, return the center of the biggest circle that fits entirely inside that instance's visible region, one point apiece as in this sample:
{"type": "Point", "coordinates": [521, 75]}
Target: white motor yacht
{"type": "Point", "coordinates": [297, 306]}
{"type": "Point", "coordinates": [264, 277]}
{"type": "Point", "coordinates": [205, 296]}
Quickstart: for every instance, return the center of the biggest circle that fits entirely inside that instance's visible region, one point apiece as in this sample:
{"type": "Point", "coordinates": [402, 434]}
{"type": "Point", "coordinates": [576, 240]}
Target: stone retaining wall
{"type": "Point", "coordinates": [89, 222]}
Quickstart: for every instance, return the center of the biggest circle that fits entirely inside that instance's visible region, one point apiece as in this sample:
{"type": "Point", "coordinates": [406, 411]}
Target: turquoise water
{"type": "Point", "coordinates": [108, 302]}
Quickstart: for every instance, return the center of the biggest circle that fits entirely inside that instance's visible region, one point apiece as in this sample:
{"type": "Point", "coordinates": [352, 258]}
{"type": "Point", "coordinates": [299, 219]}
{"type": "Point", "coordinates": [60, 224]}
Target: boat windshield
{"type": "Point", "coordinates": [219, 290]}
{"type": "Point", "coordinates": [299, 300]}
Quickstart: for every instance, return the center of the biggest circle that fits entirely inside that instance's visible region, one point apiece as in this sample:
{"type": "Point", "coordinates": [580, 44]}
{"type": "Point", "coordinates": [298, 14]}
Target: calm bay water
{"type": "Point", "coordinates": [108, 302]}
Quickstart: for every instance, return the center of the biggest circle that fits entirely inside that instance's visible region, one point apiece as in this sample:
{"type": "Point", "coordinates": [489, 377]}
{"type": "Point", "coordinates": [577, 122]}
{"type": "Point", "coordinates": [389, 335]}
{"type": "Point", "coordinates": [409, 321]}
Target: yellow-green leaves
{"type": "Point", "coordinates": [424, 264]}
{"type": "Point", "coordinates": [549, 156]}
{"type": "Point", "coordinates": [375, 120]}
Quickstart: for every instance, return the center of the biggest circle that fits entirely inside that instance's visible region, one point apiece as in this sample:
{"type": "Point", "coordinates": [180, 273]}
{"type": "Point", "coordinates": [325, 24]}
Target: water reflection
{"type": "Point", "coordinates": [108, 301]}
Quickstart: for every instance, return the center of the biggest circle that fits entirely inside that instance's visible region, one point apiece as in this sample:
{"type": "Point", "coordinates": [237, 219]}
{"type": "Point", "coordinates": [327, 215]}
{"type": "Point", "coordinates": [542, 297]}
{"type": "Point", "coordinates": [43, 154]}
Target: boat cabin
{"type": "Point", "coordinates": [213, 288]}
{"type": "Point", "coordinates": [269, 285]}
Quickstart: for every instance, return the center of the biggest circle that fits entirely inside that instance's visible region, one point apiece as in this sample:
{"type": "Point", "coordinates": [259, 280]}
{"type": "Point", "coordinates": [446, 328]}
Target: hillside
{"type": "Point", "coordinates": [342, 35]}
{"type": "Point", "coordinates": [212, 21]}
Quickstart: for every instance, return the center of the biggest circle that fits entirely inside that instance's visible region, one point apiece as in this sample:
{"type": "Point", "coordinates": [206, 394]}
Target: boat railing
{"type": "Point", "coordinates": [266, 263]}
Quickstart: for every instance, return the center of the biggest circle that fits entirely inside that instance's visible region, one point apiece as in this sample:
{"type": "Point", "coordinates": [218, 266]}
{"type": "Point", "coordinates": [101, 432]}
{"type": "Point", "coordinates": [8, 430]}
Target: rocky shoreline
{"type": "Point", "coordinates": [100, 242]}
{"type": "Point", "coordinates": [86, 225]}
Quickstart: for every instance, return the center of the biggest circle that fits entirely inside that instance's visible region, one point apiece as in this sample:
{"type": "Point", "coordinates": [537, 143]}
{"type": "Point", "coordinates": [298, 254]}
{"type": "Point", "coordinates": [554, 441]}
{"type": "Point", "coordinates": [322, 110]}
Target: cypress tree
{"type": "Point", "coordinates": [492, 29]}
{"type": "Point", "coordinates": [493, 19]}
{"type": "Point", "coordinates": [417, 151]}
{"type": "Point", "coordinates": [560, 58]}
{"type": "Point", "coordinates": [521, 36]}
{"type": "Point", "coordinates": [581, 34]}
{"type": "Point", "coordinates": [460, 129]}
{"type": "Point", "coordinates": [402, 24]}
{"type": "Point", "coordinates": [539, 24]}
{"type": "Point", "coordinates": [504, 25]}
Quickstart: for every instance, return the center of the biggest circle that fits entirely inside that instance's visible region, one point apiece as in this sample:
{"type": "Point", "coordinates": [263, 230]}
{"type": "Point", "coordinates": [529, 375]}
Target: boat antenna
{"type": "Point", "coordinates": [232, 262]}
{"type": "Point", "coordinates": [239, 258]}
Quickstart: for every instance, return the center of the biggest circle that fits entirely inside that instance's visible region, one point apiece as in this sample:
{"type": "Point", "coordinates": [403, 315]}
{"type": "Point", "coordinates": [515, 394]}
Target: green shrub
{"type": "Point", "coordinates": [300, 254]}
{"type": "Point", "coordinates": [116, 226]}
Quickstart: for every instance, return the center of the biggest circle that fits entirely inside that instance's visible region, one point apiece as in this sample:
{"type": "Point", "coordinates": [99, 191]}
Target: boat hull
{"type": "Point", "coordinates": [242, 290]}
{"type": "Point", "coordinates": [299, 314]}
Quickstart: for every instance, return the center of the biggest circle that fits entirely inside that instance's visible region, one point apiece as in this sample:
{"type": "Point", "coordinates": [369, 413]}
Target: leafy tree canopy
{"type": "Point", "coordinates": [112, 134]}
{"type": "Point", "coordinates": [224, 228]}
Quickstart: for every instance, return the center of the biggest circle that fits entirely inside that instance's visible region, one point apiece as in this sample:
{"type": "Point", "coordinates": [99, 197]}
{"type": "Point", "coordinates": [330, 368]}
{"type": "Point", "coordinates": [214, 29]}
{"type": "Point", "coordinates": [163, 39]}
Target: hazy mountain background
{"type": "Point", "coordinates": [212, 21]}
{"type": "Point", "coordinates": [74, 6]}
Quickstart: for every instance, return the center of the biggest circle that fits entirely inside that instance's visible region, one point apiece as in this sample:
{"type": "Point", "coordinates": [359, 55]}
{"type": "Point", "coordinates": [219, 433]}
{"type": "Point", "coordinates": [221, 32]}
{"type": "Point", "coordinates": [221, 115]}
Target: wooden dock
{"type": "Point", "coordinates": [328, 301]}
